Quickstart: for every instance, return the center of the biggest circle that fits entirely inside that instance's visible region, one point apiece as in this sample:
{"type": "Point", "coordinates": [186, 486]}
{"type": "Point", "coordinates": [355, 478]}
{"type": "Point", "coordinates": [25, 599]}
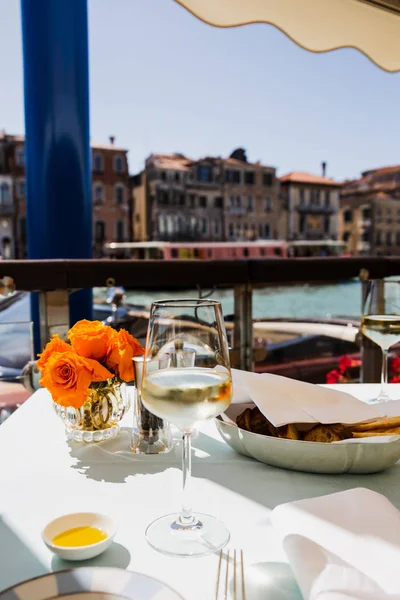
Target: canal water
{"type": "Point", "coordinates": [321, 301]}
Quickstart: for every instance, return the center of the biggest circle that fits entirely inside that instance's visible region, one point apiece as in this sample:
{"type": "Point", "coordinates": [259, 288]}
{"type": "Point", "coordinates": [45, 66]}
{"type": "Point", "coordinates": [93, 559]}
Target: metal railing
{"type": "Point", "coordinates": [55, 279]}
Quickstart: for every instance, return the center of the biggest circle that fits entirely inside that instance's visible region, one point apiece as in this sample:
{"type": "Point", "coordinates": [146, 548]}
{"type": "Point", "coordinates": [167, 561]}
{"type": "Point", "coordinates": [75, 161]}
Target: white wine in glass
{"type": "Point", "coordinates": [381, 322]}
{"type": "Point", "coordinates": [186, 396]}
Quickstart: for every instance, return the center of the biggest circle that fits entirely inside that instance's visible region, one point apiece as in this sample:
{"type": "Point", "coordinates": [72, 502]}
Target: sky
{"type": "Point", "coordinates": [163, 81]}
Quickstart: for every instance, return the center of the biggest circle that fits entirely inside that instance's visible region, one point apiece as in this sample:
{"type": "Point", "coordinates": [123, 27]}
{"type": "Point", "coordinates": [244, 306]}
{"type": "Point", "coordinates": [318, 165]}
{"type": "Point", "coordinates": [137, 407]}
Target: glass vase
{"type": "Point", "coordinates": [99, 417]}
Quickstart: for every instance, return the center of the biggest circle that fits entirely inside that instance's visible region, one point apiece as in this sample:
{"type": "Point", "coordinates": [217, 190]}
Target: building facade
{"type": "Point", "coordinates": [211, 199]}
{"type": "Point", "coordinates": [310, 207]}
{"type": "Point", "coordinates": [369, 219]}
{"type": "Point", "coordinates": [112, 216]}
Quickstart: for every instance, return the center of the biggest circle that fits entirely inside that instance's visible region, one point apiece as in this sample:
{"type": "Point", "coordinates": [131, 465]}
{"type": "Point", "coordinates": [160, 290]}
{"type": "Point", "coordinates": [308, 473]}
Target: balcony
{"type": "Point", "coordinates": [315, 209]}
{"type": "Point", "coordinates": [237, 211]}
{"type": "Point", "coordinates": [7, 209]}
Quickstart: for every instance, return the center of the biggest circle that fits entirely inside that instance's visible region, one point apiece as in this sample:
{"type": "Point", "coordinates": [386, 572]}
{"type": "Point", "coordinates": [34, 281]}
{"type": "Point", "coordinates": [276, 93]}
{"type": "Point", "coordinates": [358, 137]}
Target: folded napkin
{"type": "Point", "coordinates": [344, 546]}
{"type": "Point", "coordinates": [283, 400]}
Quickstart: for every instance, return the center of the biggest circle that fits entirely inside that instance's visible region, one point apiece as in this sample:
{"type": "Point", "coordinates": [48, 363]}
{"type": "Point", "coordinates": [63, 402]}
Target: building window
{"type": "Point", "coordinates": [120, 231]}
{"type": "Point", "coordinates": [250, 203]}
{"type": "Point", "coordinates": [181, 200]}
{"type": "Point", "coordinates": [21, 188]}
{"type": "Point", "coordinates": [217, 228]}
{"type": "Point", "coordinates": [118, 164]}
{"type": "Point", "coordinates": [192, 200]}
{"type": "Point", "coordinates": [20, 156]}
{"type": "Point", "coordinates": [98, 193]}
{"type": "Point", "coordinates": [204, 173]}
{"type": "Point", "coordinates": [366, 213]}
{"type": "Point", "coordinates": [202, 202]}
{"type": "Point", "coordinates": [346, 236]}
{"type": "Point", "coordinates": [162, 228]}
{"type": "Point", "coordinates": [366, 235]}
{"type": "Point", "coordinates": [22, 229]}
{"type": "Point", "coordinates": [249, 177]}
{"type": "Point", "coordinates": [204, 227]}
{"type": "Point", "coordinates": [98, 163]}
{"type": "Point", "coordinates": [348, 215]}
{"type": "Point", "coordinates": [218, 202]}
{"type": "Point", "coordinates": [99, 231]}
{"type": "Point", "coordinates": [302, 197]}
{"type": "Point", "coordinates": [177, 176]}
{"type": "Point", "coordinates": [302, 224]}
{"type": "Point", "coordinates": [163, 175]}
{"type": "Point", "coordinates": [230, 230]}
{"type": "Point", "coordinates": [238, 230]}
{"type": "Point", "coordinates": [378, 239]}
{"type": "Point", "coordinates": [315, 197]}
{"type": "Point", "coordinates": [119, 194]}
{"type": "Point", "coordinates": [327, 198]}
{"type": "Point", "coordinates": [232, 176]}
{"type": "Point", "coordinates": [267, 230]}
{"type": "Point", "coordinates": [388, 238]}
{"type": "Point", "coordinates": [5, 196]}
{"type": "Point", "coordinates": [326, 225]}
{"type": "Point", "coordinates": [398, 238]}
{"type": "Point", "coordinates": [267, 179]}
{"type": "Point", "coordinates": [268, 204]}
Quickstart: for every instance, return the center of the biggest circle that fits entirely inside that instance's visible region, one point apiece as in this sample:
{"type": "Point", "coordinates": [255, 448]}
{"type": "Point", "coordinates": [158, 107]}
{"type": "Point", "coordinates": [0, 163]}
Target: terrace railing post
{"type": "Point", "coordinates": [243, 325]}
{"type": "Point", "coordinates": [56, 89]}
{"type": "Point", "coordinates": [371, 354]}
{"type": "Point", "coordinates": [54, 314]}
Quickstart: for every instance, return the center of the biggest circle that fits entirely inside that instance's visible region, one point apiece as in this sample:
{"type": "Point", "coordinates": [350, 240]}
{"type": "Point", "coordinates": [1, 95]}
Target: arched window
{"type": "Point", "coordinates": [119, 193]}
{"type": "Point", "coordinates": [98, 193]}
{"type": "Point", "coordinates": [98, 163]}
{"type": "Point", "coordinates": [20, 156]}
{"type": "Point", "coordinates": [120, 231]}
{"type": "Point", "coordinates": [118, 164]}
{"type": "Point", "coordinates": [99, 231]}
{"type": "Point", "coordinates": [5, 196]}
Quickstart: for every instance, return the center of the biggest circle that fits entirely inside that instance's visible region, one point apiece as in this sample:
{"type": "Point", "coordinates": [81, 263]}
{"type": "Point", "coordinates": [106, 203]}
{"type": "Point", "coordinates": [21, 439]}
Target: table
{"type": "Point", "coordinates": [43, 476]}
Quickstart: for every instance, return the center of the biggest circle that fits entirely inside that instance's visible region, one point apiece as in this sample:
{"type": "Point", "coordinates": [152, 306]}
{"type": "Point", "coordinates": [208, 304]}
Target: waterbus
{"type": "Point", "coordinates": [222, 250]}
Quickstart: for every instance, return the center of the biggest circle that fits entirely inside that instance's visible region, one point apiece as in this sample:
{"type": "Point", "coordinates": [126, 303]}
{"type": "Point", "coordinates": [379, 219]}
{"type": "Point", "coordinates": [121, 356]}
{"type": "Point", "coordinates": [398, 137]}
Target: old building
{"type": "Point", "coordinates": [310, 206]}
{"type": "Point", "coordinates": [110, 194]}
{"type": "Point", "coordinates": [369, 219]}
{"type": "Point", "coordinates": [211, 199]}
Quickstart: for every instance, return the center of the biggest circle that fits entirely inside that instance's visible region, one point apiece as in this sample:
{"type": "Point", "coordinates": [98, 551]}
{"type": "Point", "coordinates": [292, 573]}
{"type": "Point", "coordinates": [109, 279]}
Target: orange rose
{"type": "Point", "coordinates": [56, 344]}
{"type": "Point", "coordinates": [68, 376]}
{"type": "Point", "coordinates": [120, 354]}
{"type": "Point", "coordinates": [91, 339]}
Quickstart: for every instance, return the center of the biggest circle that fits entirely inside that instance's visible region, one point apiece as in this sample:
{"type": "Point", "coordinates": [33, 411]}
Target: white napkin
{"type": "Point", "coordinates": [283, 400]}
{"type": "Point", "coordinates": [342, 546]}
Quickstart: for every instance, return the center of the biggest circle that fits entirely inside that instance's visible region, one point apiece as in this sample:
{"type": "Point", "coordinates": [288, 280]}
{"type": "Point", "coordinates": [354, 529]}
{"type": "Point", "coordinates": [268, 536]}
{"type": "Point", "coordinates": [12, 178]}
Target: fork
{"type": "Point", "coordinates": [238, 586]}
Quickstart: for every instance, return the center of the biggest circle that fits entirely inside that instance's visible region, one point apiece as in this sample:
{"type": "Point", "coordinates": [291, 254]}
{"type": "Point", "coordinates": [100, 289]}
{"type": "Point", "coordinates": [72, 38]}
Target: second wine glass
{"type": "Point", "coordinates": [186, 396]}
{"type": "Point", "coordinates": [381, 322]}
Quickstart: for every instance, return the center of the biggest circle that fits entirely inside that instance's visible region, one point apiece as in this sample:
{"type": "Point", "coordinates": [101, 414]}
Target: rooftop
{"type": "Point", "coordinates": [301, 177]}
{"type": "Point", "coordinates": [95, 145]}
{"type": "Point", "coordinates": [176, 161]}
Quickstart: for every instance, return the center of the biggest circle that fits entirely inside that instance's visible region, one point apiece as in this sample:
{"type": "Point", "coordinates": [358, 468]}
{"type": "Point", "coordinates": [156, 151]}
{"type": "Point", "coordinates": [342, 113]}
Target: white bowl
{"type": "Point", "coordinates": [65, 522]}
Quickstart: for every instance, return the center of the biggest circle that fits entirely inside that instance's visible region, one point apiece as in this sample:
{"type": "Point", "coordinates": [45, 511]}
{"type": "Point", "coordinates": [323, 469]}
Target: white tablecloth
{"type": "Point", "coordinates": [43, 476]}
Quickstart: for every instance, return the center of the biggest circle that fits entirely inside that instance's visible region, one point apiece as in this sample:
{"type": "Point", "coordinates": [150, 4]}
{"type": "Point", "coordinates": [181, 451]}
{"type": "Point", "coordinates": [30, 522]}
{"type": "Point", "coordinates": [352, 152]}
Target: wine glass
{"type": "Point", "coordinates": [186, 396]}
{"type": "Point", "coordinates": [381, 322]}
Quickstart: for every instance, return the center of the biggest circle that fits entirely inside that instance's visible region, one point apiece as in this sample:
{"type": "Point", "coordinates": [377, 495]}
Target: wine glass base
{"type": "Point", "coordinates": [207, 535]}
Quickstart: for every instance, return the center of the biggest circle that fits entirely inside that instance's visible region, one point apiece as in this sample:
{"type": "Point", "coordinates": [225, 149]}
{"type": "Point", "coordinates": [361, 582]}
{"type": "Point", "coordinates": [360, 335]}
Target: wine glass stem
{"type": "Point", "coordinates": [384, 376]}
{"type": "Point", "coordinates": [186, 516]}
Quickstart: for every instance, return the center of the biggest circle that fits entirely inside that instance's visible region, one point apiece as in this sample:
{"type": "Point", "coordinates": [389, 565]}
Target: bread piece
{"type": "Point", "coordinates": [384, 423]}
{"type": "Point", "coordinates": [289, 432]}
{"type": "Point", "coordinates": [253, 420]}
{"type": "Point", "coordinates": [328, 433]}
{"type": "Point", "coordinates": [244, 420]}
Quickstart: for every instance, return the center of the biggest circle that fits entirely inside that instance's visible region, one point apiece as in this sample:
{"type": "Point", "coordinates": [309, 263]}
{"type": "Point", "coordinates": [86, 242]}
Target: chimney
{"type": "Point", "coordinates": [112, 140]}
{"type": "Point", "coordinates": [323, 165]}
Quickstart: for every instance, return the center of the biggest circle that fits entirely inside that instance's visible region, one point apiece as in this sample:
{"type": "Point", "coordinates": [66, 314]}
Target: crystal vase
{"type": "Point", "coordinates": [98, 418]}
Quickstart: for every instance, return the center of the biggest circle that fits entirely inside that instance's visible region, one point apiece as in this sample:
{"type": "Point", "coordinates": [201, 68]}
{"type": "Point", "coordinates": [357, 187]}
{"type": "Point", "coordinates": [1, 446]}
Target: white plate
{"type": "Point", "coordinates": [91, 583]}
{"type": "Point", "coordinates": [311, 457]}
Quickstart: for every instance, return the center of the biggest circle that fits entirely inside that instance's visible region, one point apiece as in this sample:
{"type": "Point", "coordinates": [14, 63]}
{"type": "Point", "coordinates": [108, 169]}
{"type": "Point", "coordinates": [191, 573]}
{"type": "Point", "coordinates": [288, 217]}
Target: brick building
{"type": "Point", "coordinates": [112, 219]}
{"type": "Point", "coordinates": [211, 199]}
{"type": "Point", "coordinates": [369, 219]}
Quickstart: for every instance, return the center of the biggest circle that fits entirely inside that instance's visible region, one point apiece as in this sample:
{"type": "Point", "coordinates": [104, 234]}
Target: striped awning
{"type": "Point", "coordinates": [371, 26]}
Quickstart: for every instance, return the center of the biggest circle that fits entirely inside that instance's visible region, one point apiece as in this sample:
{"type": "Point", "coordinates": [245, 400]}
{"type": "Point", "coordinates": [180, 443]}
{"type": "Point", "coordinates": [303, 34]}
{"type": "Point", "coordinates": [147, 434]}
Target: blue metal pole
{"type": "Point", "coordinates": [56, 87]}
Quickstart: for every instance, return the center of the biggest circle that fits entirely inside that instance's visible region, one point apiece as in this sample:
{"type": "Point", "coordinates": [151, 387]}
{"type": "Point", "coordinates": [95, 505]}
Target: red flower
{"type": "Point", "coordinates": [395, 379]}
{"type": "Point", "coordinates": [344, 363]}
{"type": "Point", "coordinates": [395, 364]}
{"type": "Point", "coordinates": [333, 376]}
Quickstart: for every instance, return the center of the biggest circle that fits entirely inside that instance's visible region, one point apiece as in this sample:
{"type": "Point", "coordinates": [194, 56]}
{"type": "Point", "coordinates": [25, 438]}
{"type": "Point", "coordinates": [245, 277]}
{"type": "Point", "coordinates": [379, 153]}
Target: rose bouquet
{"type": "Point", "coordinates": [85, 377]}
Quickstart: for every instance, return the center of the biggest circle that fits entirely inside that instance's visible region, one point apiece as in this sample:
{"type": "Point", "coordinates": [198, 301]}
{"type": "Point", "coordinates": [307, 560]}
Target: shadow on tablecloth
{"type": "Point", "coordinates": [14, 553]}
